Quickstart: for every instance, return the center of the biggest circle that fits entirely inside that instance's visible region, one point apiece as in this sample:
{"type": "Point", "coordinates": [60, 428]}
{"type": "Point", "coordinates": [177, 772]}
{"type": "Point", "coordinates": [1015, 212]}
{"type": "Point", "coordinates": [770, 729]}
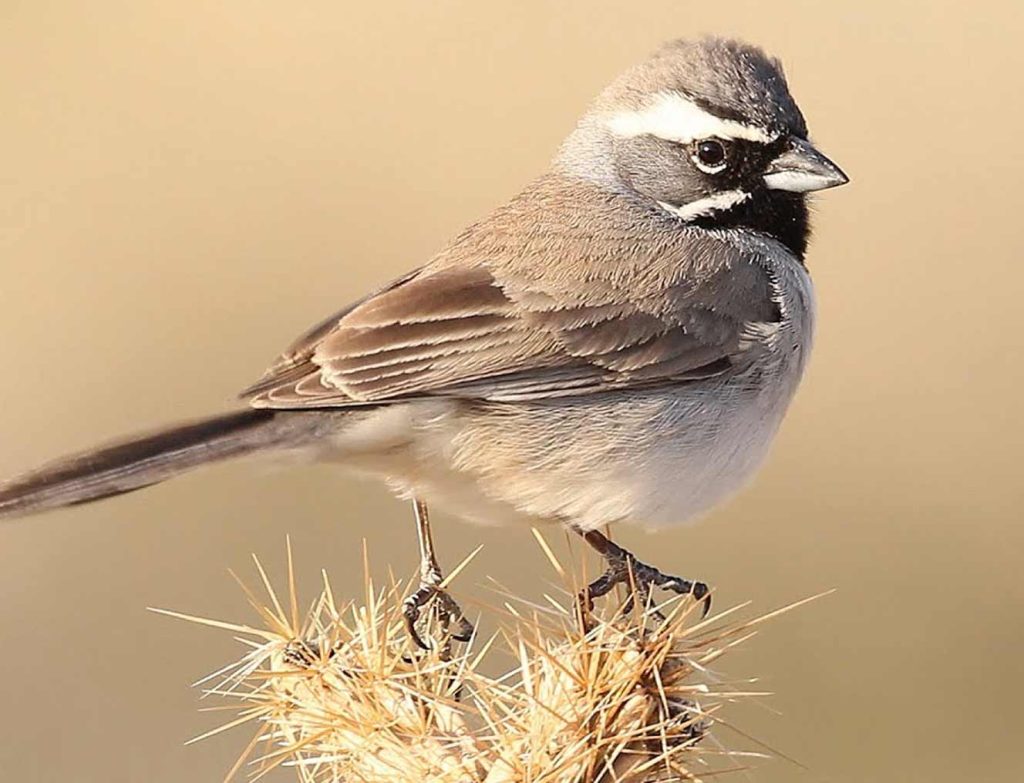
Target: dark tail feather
{"type": "Point", "coordinates": [138, 462]}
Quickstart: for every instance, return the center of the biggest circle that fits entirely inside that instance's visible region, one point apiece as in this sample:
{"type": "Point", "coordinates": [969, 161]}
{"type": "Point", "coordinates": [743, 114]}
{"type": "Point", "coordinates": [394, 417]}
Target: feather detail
{"type": "Point", "coordinates": [529, 305]}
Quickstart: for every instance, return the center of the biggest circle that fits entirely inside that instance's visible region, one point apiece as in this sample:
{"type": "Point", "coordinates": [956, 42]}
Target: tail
{"type": "Point", "coordinates": [141, 461]}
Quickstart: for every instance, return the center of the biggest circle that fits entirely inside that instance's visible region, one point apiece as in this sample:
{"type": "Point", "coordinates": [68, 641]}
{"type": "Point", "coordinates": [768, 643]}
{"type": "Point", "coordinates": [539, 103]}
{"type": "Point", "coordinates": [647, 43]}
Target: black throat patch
{"type": "Point", "coordinates": [779, 214]}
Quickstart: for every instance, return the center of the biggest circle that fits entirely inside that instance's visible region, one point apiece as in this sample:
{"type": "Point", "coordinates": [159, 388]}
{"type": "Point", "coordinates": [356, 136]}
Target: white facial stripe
{"type": "Point", "coordinates": [705, 206]}
{"type": "Point", "coordinates": [674, 118]}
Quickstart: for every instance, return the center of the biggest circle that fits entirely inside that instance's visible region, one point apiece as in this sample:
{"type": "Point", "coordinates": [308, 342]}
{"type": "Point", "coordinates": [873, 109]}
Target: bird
{"type": "Point", "coordinates": [617, 343]}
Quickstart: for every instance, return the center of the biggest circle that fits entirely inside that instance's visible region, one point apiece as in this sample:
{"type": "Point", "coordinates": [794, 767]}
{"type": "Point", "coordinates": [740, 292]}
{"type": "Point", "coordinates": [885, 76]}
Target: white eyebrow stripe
{"type": "Point", "coordinates": [705, 206]}
{"type": "Point", "coordinates": [672, 117]}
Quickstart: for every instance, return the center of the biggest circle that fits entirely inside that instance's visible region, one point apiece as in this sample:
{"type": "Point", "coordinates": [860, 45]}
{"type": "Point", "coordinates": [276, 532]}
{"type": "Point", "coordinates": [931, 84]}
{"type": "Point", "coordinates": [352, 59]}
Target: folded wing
{"type": "Point", "coordinates": [481, 331]}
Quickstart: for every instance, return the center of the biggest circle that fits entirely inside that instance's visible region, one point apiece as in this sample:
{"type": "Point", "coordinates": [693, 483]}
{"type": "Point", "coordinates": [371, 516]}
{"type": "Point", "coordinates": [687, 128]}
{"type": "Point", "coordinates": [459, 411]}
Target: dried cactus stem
{"type": "Point", "coordinates": [341, 694]}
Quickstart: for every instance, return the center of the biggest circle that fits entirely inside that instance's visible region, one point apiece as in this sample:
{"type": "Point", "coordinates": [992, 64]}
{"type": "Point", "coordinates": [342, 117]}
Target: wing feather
{"type": "Point", "coordinates": [488, 319]}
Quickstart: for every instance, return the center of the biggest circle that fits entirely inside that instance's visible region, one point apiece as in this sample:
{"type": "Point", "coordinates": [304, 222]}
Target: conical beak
{"type": "Point", "coordinates": [800, 169]}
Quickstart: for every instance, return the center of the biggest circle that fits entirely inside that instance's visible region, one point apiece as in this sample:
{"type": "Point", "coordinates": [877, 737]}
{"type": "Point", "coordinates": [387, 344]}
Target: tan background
{"type": "Point", "coordinates": [184, 186]}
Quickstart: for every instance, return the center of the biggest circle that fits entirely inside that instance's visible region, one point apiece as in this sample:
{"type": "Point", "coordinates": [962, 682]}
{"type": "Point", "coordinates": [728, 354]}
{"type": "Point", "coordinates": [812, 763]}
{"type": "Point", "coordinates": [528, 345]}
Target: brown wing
{"type": "Point", "coordinates": [458, 331]}
{"type": "Point", "coordinates": [424, 335]}
{"type": "Point", "coordinates": [545, 298]}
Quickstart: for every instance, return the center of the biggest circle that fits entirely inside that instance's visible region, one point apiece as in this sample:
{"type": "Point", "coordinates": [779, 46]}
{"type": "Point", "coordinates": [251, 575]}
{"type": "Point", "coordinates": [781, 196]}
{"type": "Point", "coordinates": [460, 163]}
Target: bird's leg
{"type": "Point", "coordinates": [442, 605]}
{"type": "Point", "coordinates": [624, 568]}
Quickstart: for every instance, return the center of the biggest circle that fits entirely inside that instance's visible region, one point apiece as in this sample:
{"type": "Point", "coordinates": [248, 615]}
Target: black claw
{"type": "Point", "coordinates": [701, 592]}
{"type": "Point", "coordinates": [465, 631]}
{"type": "Point", "coordinates": [411, 613]}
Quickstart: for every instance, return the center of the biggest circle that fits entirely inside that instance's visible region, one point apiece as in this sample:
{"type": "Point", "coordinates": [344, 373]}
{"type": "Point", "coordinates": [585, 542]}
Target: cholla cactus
{"type": "Point", "coordinates": [340, 694]}
{"type": "Point", "coordinates": [615, 702]}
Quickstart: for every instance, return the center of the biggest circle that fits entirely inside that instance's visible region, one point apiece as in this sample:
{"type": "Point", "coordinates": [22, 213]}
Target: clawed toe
{"type": "Point", "coordinates": [699, 591]}
{"type": "Point", "coordinates": [305, 653]}
{"type": "Point", "coordinates": [625, 569]}
{"type": "Point", "coordinates": [448, 615]}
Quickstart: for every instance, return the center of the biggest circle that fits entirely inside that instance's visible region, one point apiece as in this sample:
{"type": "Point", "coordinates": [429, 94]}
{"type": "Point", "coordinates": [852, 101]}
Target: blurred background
{"type": "Point", "coordinates": [186, 186]}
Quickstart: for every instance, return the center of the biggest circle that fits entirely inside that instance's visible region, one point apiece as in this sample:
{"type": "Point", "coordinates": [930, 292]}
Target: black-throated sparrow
{"type": "Point", "coordinates": [618, 343]}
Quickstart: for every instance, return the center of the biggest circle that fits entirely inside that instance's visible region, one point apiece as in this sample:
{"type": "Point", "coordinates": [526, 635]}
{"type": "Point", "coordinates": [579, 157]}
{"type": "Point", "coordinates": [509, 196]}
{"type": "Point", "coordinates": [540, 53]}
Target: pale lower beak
{"type": "Point", "coordinates": [801, 168]}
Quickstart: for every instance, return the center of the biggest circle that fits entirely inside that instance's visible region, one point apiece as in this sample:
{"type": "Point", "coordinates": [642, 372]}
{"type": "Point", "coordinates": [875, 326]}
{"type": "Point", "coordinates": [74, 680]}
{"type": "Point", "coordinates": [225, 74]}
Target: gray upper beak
{"type": "Point", "coordinates": [801, 168]}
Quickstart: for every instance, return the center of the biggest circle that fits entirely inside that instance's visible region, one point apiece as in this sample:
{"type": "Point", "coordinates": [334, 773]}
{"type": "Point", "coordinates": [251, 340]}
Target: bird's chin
{"type": "Point", "coordinates": [781, 215]}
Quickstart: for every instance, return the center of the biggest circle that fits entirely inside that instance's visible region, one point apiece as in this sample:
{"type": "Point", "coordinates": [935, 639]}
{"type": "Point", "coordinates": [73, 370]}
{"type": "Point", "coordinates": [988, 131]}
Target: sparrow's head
{"type": "Point", "coordinates": [708, 132]}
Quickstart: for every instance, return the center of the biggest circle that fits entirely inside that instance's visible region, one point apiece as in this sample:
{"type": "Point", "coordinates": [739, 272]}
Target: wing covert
{"type": "Point", "coordinates": [526, 306]}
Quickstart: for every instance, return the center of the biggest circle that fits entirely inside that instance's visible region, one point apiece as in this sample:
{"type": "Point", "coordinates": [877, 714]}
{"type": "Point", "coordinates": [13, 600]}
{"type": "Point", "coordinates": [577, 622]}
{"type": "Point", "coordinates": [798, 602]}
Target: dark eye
{"type": "Point", "coordinates": [710, 155]}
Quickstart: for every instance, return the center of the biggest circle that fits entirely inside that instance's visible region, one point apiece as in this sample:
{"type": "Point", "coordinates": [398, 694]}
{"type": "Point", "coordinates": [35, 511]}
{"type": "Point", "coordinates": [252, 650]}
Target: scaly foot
{"type": "Point", "coordinates": [445, 612]}
{"type": "Point", "coordinates": [625, 569]}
